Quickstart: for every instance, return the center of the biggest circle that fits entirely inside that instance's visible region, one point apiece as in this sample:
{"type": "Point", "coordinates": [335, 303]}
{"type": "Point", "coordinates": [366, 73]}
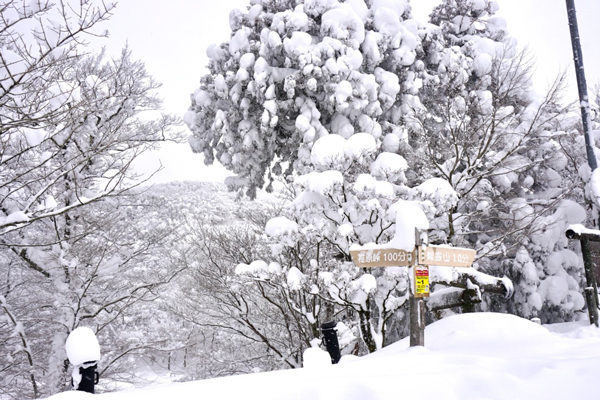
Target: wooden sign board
{"type": "Point", "coordinates": [382, 258]}
{"type": "Point", "coordinates": [446, 256]}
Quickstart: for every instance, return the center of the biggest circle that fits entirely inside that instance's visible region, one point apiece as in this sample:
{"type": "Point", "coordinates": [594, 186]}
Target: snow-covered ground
{"type": "Point", "coordinates": [471, 356]}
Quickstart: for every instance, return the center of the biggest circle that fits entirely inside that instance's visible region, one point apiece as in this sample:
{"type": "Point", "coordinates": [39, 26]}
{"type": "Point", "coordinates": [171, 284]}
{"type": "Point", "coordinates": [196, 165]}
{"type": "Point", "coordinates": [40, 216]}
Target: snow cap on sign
{"type": "Point", "coordinates": [82, 346]}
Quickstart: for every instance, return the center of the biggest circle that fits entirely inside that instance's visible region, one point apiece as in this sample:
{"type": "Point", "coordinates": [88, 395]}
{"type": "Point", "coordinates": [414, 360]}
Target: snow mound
{"type": "Point", "coordinates": [315, 358]}
{"type": "Point", "coordinates": [469, 356]}
{"type": "Point", "coordinates": [469, 331]}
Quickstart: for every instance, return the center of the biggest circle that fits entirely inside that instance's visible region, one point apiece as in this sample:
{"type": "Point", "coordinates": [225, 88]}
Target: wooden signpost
{"type": "Point", "coordinates": [443, 256]}
{"type": "Point", "coordinates": [440, 256]}
{"type": "Point", "coordinates": [418, 261]}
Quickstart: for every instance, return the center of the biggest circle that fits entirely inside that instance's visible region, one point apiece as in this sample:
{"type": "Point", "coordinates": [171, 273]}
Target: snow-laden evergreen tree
{"type": "Point", "coordinates": [295, 71]}
{"type": "Point", "coordinates": [319, 92]}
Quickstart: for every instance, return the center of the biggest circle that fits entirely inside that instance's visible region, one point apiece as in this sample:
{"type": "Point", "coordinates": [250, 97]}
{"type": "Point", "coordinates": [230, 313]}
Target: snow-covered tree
{"type": "Point", "coordinates": [70, 127]}
{"type": "Point", "coordinates": [291, 74]}
{"type": "Point", "coordinates": [295, 71]}
{"type": "Point", "coordinates": [110, 277]}
{"type": "Point", "coordinates": [502, 147]}
{"type": "Point", "coordinates": [321, 92]}
{"type": "Point", "coordinates": [481, 127]}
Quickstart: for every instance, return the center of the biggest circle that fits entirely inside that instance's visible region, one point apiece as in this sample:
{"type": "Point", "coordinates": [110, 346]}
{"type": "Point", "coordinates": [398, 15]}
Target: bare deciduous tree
{"type": "Point", "coordinates": [71, 126]}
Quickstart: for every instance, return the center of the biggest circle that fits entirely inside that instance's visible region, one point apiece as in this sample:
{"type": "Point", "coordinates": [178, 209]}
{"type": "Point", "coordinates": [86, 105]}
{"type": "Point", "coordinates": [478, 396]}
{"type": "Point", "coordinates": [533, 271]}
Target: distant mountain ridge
{"type": "Point", "coordinates": [210, 201]}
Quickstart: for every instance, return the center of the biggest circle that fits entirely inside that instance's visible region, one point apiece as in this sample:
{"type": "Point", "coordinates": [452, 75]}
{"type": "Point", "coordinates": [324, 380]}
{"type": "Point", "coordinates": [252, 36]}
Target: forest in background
{"type": "Point", "coordinates": [332, 115]}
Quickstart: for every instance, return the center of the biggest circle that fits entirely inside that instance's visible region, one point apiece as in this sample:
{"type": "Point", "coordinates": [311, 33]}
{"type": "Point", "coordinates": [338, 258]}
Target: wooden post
{"type": "Point", "coordinates": [416, 305]}
{"type": "Point", "coordinates": [591, 291]}
{"type": "Point", "coordinates": [417, 321]}
{"type": "Point", "coordinates": [468, 305]}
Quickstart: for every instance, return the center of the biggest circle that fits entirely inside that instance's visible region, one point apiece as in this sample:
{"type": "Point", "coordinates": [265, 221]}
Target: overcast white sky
{"type": "Point", "coordinates": [171, 38]}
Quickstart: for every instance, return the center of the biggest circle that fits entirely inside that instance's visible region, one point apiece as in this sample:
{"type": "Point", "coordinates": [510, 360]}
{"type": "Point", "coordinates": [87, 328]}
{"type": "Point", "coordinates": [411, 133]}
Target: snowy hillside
{"type": "Point", "coordinates": [469, 356]}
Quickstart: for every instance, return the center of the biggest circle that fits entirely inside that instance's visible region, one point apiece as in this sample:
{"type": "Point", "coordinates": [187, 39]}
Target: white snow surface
{"type": "Point", "coordinates": [409, 216]}
{"type": "Point", "coordinates": [389, 166]}
{"type": "Point", "coordinates": [316, 358]}
{"type": "Point", "coordinates": [82, 346]}
{"type": "Point", "coordinates": [255, 268]}
{"type": "Point", "coordinates": [334, 150]}
{"type": "Point", "coordinates": [469, 356]}
{"type": "Point", "coordinates": [295, 278]}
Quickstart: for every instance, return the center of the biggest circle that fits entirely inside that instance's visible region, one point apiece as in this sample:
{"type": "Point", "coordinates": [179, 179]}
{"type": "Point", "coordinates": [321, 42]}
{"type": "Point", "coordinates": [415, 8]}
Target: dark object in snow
{"type": "Point", "coordinates": [89, 377]}
{"type": "Point", "coordinates": [581, 84]}
{"type": "Point", "coordinates": [331, 341]}
{"type": "Point", "coordinates": [586, 239]}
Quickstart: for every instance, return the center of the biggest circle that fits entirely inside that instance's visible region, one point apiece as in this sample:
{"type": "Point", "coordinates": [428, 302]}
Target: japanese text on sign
{"type": "Point", "coordinates": [446, 256]}
{"type": "Point", "coordinates": [421, 281]}
{"type": "Point", "coordinates": [382, 258]}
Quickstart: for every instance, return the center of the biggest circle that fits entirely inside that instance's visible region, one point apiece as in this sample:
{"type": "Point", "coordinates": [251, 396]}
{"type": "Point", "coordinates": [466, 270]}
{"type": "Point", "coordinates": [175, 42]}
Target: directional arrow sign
{"type": "Point", "coordinates": [427, 255]}
{"type": "Point", "coordinates": [446, 256]}
{"type": "Point", "coordinates": [382, 258]}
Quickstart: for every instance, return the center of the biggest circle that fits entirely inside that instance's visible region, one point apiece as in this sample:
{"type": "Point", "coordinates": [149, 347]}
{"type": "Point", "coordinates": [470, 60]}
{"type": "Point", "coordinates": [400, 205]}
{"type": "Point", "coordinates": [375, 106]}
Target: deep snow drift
{"type": "Point", "coordinates": [469, 356]}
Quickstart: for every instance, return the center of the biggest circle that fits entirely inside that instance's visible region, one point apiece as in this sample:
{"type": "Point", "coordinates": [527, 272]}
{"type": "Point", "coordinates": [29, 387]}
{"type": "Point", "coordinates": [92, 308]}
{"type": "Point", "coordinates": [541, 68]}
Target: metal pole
{"type": "Point", "coordinates": [591, 290]}
{"type": "Point", "coordinates": [581, 84]}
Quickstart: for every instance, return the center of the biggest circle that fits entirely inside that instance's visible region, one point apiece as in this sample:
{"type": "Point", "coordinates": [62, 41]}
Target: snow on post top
{"type": "Point", "coordinates": [581, 229]}
{"type": "Point", "coordinates": [315, 358]}
{"type": "Point", "coordinates": [82, 346]}
{"type": "Point", "coordinates": [409, 216]}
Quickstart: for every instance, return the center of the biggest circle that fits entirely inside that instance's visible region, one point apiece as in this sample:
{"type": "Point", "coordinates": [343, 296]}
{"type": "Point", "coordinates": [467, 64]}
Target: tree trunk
{"type": "Point", "coordinates": [365, 330]}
